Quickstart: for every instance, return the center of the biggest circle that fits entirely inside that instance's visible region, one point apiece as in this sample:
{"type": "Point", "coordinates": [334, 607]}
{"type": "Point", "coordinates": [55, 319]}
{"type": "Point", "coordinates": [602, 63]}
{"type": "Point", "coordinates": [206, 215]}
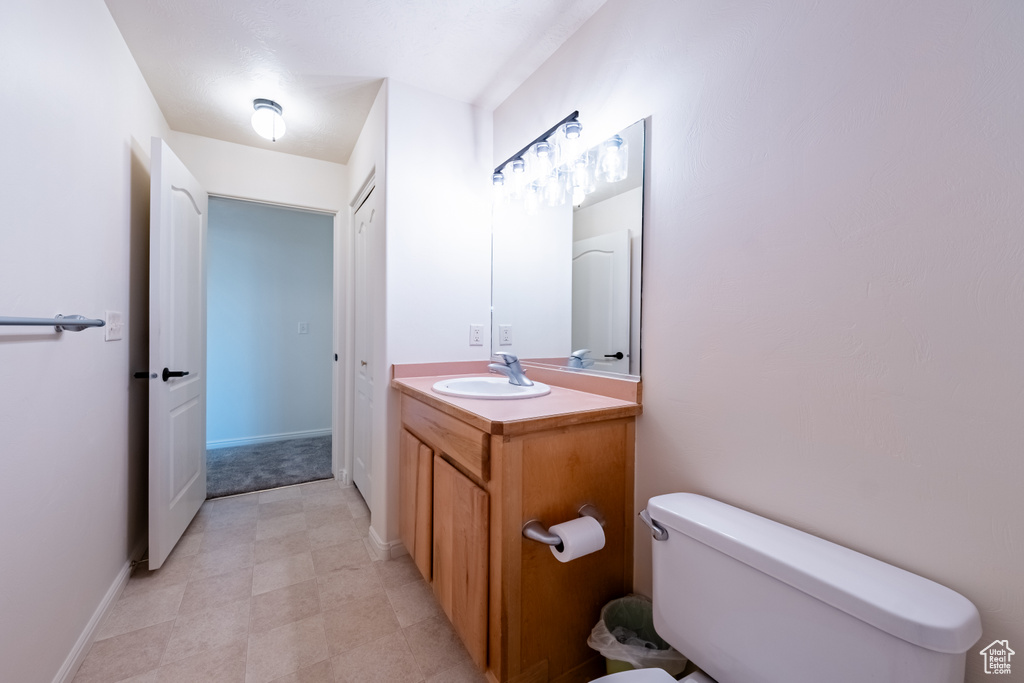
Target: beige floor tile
{"type": "Point", "coordinates": [220, 516]}
{"type": "Point", "coordinates": [143, 609]}
{"type": "Point", "coordinates": [435, 645]}
{"type": "Point", "coordinates": [285, 650]}
{"type": "Point", "coordinates": [321, 672]}
{"type": "Point", "coordinates": [279, 526]}
{"type": "Point", "coordinates": [223, 589]}
{"type": "Point", "coordinates": [351, 493]}
{"type": "Point", "coordinates": [362, 524]}
{"type": "Point", "coordinates": [348, 583]}
{"type": "Point", "coordinates": [372, 551]}
{"type": "Point", "coordinates": [148, 677]}
{"type": "Point", "coordinates": [413, 602]}
{"type": "Point", "coordinates": [284, 605]}
{"type": "Point", "coordinates": [316, 487]}
{"type": "Point", "coordinates": [280, 507]}
{"type": "Point", "coordinates": [336, 557]}
{"type": "Point", "coordinates": [358, 508]}
{"type": "Point", "coordinates": [387, 660]}
{"type": "Point", "coordinates": [222, 561]}
{"type": "Point", "coordinates": [121, 657]}
{"type": "Point", "coordinates": [359, 621]}
{"type": "Point", "coordinates": [282, 546]}
{"type": "Point", "coordinates": [332, 534]}
{"type": "Point", "coordinates": [225, 664]}
{"type": "Point", "coordinates": [188, 544]}
{"type": "Point", "coordinates": [174, 571]}
{"type": "Point", "coordinates": [462, 673]}
{"type": "Point", "coordinates": [284, 571]}
{"type": "Point", "coordinates": [398, 572]}
{"type": "Point", "coordinates": [322, 515]}
{"type": "Point", "coordinates": [286, 493]}
{"type": "Point", "coordinates": [202, 631]}
{"type": "Point", "coordinates": [218, 538]}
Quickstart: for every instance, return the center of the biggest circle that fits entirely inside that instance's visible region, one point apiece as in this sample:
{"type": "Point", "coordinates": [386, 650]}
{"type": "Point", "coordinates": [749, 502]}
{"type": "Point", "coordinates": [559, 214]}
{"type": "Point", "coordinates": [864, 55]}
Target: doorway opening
{"type": "Point", "coordinates": [270, 346]}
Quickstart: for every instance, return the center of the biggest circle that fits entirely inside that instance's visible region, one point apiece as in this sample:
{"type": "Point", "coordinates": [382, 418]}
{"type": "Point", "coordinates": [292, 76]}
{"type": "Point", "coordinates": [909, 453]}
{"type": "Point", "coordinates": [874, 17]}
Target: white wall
{"type": "Point", "coordinates": [75, 188]}
{"type": "Point", "coordinates": [437, 255]}
{"type": "Point", "coordinates": [268, 269]}
{"type": "Point", "coordinates": [833, 302]}
{"type": "Point", "coordinates": [232, 170]}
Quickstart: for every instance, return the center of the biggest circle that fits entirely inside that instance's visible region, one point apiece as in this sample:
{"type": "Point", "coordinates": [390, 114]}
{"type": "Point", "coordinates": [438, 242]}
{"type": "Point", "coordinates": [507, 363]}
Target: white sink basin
{"type": "Point", "coordinates": [489, 388]}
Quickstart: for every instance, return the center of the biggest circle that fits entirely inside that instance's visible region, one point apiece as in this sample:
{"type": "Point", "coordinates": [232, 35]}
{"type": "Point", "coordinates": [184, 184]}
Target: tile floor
{"type": "Point", "coordinates": [278, 586]}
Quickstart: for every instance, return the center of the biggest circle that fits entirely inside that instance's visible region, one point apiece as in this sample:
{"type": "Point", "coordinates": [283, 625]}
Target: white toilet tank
{"type": "Point", "coordinates": [753, 601]}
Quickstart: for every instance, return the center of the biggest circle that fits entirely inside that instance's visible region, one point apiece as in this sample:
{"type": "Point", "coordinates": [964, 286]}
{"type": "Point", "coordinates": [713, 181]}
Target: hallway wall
{"type": "Point", "coordinates": [75, 239]}
{"type": "Point", "coordinates": [269, 269]}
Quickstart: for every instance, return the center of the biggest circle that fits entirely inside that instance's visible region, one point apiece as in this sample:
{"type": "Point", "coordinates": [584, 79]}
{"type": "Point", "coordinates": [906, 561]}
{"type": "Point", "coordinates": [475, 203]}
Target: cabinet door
{"type": "Point", "coordinates": [415, 483]}
{"type": "Point", "coordinates": [461, 514]}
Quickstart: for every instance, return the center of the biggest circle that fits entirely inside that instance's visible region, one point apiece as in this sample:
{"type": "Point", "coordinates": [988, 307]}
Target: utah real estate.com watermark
{"type": "Point", "coordinates": [997, 657]}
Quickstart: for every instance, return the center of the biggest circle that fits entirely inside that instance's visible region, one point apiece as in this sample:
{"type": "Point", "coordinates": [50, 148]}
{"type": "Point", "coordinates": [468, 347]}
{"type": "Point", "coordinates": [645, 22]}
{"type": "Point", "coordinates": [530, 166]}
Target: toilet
{"type": "Point", "coordinates": [749, 600]}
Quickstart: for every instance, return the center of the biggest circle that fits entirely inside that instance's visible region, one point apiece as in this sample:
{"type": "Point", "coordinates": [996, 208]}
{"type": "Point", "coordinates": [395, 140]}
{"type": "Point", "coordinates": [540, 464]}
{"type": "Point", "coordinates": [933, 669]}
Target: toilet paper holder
{"type": "Point", "coordinates": [535, 531]}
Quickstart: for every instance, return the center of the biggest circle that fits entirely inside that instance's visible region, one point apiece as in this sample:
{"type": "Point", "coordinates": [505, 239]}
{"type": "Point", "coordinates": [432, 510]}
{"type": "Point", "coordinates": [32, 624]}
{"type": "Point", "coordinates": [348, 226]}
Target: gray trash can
{"type": "Point", "coordinates": [626, 637]}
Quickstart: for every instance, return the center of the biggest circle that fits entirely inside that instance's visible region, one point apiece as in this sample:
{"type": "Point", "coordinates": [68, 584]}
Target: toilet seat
{"type": "Point", "coordinates": [651, 676]}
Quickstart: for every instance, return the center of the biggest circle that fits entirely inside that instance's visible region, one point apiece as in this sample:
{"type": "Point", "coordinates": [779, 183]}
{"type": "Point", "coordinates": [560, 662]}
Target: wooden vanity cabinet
{"type": "Point", "coordinates": [523, 615]}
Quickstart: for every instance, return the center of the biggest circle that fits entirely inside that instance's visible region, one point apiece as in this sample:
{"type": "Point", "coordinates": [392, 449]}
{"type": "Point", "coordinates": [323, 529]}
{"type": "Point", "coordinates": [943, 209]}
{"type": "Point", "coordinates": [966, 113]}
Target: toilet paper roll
{"type": "Point", "coordinates": [580, 537]}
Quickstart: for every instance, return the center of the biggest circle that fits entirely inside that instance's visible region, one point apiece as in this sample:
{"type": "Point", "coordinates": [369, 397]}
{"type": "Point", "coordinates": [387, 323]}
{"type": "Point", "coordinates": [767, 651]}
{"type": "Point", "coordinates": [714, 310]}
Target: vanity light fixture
{"type": "Point", "coordinates": [267, 120]}
{"type": "Point", "coordinates": [555, 168]}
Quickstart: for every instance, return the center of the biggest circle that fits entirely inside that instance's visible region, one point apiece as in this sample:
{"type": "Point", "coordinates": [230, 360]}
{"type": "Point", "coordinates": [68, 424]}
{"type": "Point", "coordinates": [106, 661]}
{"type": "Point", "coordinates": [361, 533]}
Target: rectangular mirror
{"type": "Point", "coordinates": [566, 261]}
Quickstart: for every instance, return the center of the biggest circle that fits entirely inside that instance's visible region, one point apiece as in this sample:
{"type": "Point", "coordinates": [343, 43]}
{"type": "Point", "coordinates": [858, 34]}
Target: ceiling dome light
{"type": "Point", "coordinates": [267, 120]}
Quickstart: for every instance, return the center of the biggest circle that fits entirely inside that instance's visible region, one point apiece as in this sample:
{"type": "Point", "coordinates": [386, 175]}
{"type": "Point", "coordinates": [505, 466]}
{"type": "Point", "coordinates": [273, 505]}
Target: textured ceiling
{"type": "Point", "coordinates": [324, 60]}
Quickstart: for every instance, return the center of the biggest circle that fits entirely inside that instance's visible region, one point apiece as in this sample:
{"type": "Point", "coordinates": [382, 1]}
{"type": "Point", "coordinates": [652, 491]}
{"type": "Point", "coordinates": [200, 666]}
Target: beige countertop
{"type": "Point", "coordinates": [562, 407]}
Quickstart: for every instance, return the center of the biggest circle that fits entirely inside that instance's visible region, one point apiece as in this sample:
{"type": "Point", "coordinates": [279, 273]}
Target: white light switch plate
{"type": "Point", "coordinates": [114, 326]}
{"type": "Point", "coordinates": [303, 328]}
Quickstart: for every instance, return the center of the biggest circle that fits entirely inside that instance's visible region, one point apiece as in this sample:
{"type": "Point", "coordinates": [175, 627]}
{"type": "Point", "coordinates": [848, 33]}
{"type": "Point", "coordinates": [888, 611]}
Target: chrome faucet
{"type": "Point", "coordinates": [578, 359]}
{"type": "Point", "coordinates": [511, 368]}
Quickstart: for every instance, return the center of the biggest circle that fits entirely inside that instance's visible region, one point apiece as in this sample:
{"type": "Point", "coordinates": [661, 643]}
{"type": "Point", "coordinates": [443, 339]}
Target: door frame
{"type": "Point", "coordinates": [338, 315]}
{"type": "Point", "coordinates": [348, 413]}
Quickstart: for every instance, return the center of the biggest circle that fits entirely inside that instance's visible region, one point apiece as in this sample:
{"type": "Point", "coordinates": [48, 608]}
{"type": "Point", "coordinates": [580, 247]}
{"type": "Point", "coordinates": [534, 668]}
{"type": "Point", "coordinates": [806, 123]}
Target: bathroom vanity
{"type": "Point", "coordinates": [474, 471]}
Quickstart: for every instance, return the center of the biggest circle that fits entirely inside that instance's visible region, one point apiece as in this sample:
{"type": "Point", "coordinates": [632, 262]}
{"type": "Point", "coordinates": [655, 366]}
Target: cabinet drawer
{"type": "Point", "coordinates": [465, 445]}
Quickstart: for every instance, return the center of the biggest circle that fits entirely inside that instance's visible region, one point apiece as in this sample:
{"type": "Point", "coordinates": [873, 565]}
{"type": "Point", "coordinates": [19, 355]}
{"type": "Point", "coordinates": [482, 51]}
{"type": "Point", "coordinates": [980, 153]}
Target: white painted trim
{"type": "Point", "coordinates": [84, 644]}
{"type": "Point", "coordinates": [267, 438]}
{"type": "Point", "coordinates": [386, 550]}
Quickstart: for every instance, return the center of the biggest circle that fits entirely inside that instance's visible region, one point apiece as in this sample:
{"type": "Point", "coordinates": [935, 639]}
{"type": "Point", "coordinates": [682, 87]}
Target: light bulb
{"type": "Point", "coordinates": [267, 120]}
{"type": "Point", "coordinates": [543, 157]}
{"type": "Point", "coordinates": [612, 165]}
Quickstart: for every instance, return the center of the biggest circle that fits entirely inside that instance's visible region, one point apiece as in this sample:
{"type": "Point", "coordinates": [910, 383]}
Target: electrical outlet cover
{"type": "Point", "coordinates": [476, 335]}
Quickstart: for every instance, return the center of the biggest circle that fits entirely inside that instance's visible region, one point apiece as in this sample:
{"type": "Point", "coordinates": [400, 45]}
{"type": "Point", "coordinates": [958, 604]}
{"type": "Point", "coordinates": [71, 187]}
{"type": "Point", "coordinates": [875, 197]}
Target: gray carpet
{"type": "Point", "coordinates": [243, 469]}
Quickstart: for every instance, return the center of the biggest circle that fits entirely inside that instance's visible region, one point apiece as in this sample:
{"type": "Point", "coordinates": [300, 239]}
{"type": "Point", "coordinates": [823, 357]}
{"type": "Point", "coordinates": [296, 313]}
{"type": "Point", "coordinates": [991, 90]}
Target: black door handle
{"type": "Point", "coordinates": [145, 375]}
{"type": "Point", "coordinates": [174, 373]}
{"type": "Point", "coordinates": [617, 355]}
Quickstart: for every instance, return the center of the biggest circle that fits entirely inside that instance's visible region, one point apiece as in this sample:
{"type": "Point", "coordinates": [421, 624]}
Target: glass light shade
{"type": "Point", "coordinates": [583, 174]}
{"type": "Point", "coordinates": [613, 165]}
{"type": "Point", "coordinates": [267, 120]}
{"type": "Point", "coordinates": [554, 185]}
{"type": "Point", "coordinates": [543, 157]}
{"type": "Point", "coordinates": [569, 142]}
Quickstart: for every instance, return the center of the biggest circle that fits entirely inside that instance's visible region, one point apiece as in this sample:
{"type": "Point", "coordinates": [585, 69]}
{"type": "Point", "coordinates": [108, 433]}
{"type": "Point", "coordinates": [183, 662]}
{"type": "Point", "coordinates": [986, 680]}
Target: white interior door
{"type": "Point", "coordinates": [362, 441]}
{"type": "Point", "coordinates": [177, 351]}
{"type": "Point", "coordinates": [600, 299]}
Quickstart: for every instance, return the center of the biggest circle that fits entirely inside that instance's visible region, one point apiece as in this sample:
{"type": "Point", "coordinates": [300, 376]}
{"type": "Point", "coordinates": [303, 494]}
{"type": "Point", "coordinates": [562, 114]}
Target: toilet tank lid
{"type": "Point", "coordinates": [905, 605]}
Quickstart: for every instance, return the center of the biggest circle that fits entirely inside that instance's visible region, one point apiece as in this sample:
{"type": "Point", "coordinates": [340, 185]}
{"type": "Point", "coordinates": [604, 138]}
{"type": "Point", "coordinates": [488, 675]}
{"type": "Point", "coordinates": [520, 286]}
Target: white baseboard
{"type": "Point", "coordinates": [386, 550]}
{"type": "Point", "coordinates": [267, 438]}
{"type": "Point", "coordinates": [81, 649]}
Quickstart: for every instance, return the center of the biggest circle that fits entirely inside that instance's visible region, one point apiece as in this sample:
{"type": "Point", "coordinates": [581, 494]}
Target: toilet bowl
{"type": "Point", "coordinates": [749, 600]}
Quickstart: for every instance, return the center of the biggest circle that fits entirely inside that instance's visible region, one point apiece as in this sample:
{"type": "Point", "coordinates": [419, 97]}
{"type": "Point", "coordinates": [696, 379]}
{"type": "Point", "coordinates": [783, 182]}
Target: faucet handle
{"type": "Point", "coordinates": [506, 357]}
{"type": "Point", "coordinates": [581, 354]}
